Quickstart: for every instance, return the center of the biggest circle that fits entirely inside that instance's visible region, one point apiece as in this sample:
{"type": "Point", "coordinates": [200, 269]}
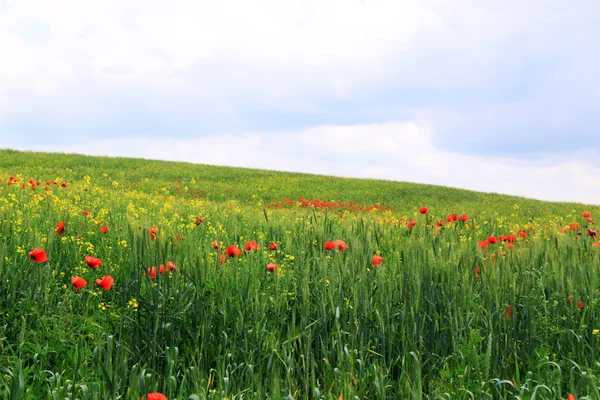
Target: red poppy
{"type": "Point", "coordinates": [586, 214]}
{"type": "Point", "coordinates": [106, 282]}
{"type": "Point", "coordinates": [273, 246]}
{"type": "Point", "coordinates": [510, 238]}
{"type": "Point", "coordinates": [523, 234]}
{"type": "Point", "coordinates": [60, 228]}
{"type": "Point", "coordinates": [251, 245]}
{"type": "Point", "coordinates": [341, 245]}
{"type": "Point", "coordinates": [64, 184]}
{"type": "Point", "coordinates": [423, 210]}
{"type": "Point", "coordinates": [570, 299]}
{"type": "Point", "coordinates": [162, 269]}
{"type": "Point", "coordinates": [411, 223]}
{"type": "Point", "coordinates": [151, 272]}
{"type": "Point", "coordinates": [449, 218]}
{"type": "Point", "coordinates": [509, 312]}
{"type": "Point", "coordinates": [592, 232]}
{"type": "Point", "coordinates": [78, 282]}
{"type": "Point", "coordinates": [38, 255]}
{"type": "Point", "coordinates": [85, 213]}
{"type": "Point", "coordinates": [104, 229]}
{"type": "Point", "coordinates": [153, 231]}
{"type": "Point", "coordinates": [222, 259]}
{"type": "Point", "coordinates": [272, 267]}
{"type": "Point", "coordinates": [590, 220]}
{"type": "Point", "coordinates": [215, 245]}
{"type": "Point", "coordinates": [376, 262]}
{"type": "Point", "coordinates": [571, 397]}
{"type": "Point", "coordinates": [464, 218]}
{"type": "Point", "coordinates": [233, 251]}
{"type": "Point", "coordinates": [478, 273]}
{"type": "Point", "coordinates": [580, 305]}
{"type": "Point", "coordinates": [172, 267]}
{"type": "Point", "coordinates": [573, 226]}
{"type": "Point", "coordinates": [155, 396]}
{"type": "Point", "coordinates": [199, 221]}
{"type": "Point", "coordinates": [329, 246]}
{"type": "Point", "coordinates": [439, 223]}
{"type": "Point", "coordinates": [483, 244]}
{"type": "Point", "coordinates": [510, 246]}
{"type": "Point", "coordinates": [93, 262]}
{"type": "Point", "coordinates": [492, 240]}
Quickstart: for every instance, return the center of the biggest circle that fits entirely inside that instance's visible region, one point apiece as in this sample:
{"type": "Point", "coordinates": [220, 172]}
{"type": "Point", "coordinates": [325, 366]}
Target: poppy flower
{"type": "Point", "coordinates": [93, 262]}
{"type": "Point", "coordinates": [571, 397]}
{"type": "Point", "coordinates": [586, 214]}
{"type": "Point", "coordinates": [233, 251]}
{"type": "Point", "coordinates": [104, 229]}
{"type": "Point", "coordinates": [509, 312]}
{"type": "Point", "coordinates": [78, 282]}
{"type": "Point", "coordinates": [38, 255]}
{"type": "Point", "coordinates": [510, 246]}
{"type": "Point", "coordinates": [215, 245]}
{"type": "Point", "coordinates": [198, 221]}
{"type": "Point", "coordinates": [590, 220]}
{"type": "Point", "coordinates": [580, 305]}
{"type": "Point", "coordinates": [251, 245]}
{"type": "Point", "coordinates": [340, 245]}
{"type": "Point", "coordinates": [64, 184]}
{"type": "Point", "coordinates": [439, 224]}
{"type": "Point", "coordinates": [478, 273]}
{"type": "Point", "coordinates": [162, 269]}
{"type": "Point", "coordinates": [510, 238]}
{"type": "Point", "coordinates": [60, 227]}
{"type": "Point", "coordinates": [329, 246]}
{"type": "Point", "coordinates": [449, 218]}
{"type": "Point", "coordinates": [411, 223]}
{"type": "Point", "coordinates": [151, 272]}
{"type": "Point", "coordinates": [464, 218]}
{"type": "Point", "coordinates": [153, 231]}
{"type": "Point", "coordinates": [106, 282]}
{"type": "Point", "coordinates": [272, 267]}
{"type": "Point", "coordinates": [85, 213]}
{"type": "Point", "coordinates": [592, 232]}
{"type": "Point", "coordinates": [155, 396]}
{"type": "Point", "coordinates": [483, 244]}
{"type": "Point", "coordinates": [492, 240]}
{"type": "Point", "coordinates": [376, 261]}
{"type": "Point", "coordinates": [570, 299]}
{"type": "Point", "coordinates": [273, 246]}
{"type": "Point", "coordinates": [172, 267]}
{"type": "Point", "coordinates": [423, 210]}
{"type": "Point", "coordinates": [222, 259]}
{"type": "Point", "coordinates": [523, 234]}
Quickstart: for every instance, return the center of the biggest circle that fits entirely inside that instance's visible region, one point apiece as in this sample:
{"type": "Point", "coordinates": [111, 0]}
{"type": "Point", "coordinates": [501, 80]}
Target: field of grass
{"type": "Point", "coordinates": [480, 296]}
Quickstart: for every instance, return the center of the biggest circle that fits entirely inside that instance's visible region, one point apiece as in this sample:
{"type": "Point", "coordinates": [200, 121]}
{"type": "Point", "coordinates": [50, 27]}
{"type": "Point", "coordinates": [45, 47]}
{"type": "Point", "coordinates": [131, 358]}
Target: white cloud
{"type": "Point", "coordinates": [395, 151]}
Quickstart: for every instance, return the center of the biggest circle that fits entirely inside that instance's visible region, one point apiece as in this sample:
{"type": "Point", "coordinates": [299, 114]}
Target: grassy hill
{"type": "Point", "coordinates": [122, 277]}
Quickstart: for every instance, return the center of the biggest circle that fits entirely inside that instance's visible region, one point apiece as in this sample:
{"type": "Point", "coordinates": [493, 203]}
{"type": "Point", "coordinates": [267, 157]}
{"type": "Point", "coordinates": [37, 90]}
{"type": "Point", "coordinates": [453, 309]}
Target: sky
{"type": "Point", "coordinates": [484, 95]}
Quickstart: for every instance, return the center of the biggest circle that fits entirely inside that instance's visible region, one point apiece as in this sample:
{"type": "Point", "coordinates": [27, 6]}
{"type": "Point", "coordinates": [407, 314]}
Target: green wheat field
{"type": "Point", "coordinates": [129, 279]}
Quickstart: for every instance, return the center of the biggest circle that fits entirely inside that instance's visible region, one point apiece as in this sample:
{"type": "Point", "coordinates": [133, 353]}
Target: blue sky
{"type": "Point", "coordinates": [493, 96]}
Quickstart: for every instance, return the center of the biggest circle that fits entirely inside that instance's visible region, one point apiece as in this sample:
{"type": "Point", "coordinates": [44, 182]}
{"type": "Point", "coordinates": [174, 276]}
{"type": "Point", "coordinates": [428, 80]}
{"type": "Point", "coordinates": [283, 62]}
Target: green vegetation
{"type": "Point", "coordinates": [449, 314]}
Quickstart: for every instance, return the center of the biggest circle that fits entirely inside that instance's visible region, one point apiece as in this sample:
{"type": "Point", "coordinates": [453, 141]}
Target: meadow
{"type": "Point", "coordinates": [129, 279]}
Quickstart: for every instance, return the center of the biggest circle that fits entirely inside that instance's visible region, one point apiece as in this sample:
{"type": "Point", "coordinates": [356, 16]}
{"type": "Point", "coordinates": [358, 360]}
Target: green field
{"type": "Point", "coordinates": [450, 313]}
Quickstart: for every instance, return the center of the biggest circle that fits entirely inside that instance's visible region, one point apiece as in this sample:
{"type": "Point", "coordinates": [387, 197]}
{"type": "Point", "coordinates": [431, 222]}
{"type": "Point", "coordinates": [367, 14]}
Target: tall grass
{"type": "Point", "coordinates": [326, 325]}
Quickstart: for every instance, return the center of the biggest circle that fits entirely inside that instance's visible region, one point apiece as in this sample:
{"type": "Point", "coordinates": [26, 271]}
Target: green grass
{"type": "Point", "coordinates": [326, 325]}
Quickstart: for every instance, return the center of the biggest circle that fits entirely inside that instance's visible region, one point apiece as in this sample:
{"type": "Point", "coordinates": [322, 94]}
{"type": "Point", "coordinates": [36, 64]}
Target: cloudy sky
{"type": "Point", "coordinates": [499, 96]}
